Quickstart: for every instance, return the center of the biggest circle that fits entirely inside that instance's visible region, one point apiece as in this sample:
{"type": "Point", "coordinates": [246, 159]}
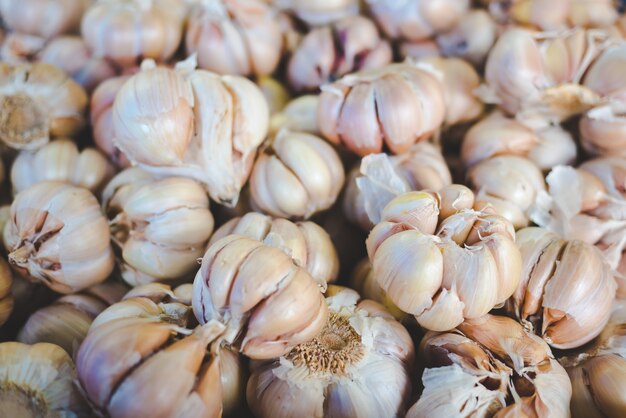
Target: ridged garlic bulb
{"type": "Point", "coordinates": [43, 18]}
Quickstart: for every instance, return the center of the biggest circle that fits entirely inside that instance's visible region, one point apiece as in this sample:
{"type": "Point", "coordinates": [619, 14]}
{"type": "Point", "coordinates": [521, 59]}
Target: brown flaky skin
{"type": "Point", "coordinates": [267, 308]}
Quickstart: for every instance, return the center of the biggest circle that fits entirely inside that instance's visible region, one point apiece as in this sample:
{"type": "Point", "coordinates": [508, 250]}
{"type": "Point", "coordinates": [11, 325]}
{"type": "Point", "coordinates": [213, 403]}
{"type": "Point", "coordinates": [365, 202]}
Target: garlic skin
{"type": "Point", "coordinates": [6, 296]}
{"type": "Point", "coordinates": [127, 31]}
{"type": "Point", "coordinates": [358, 366]}
{"type": "Point", "coordinates": [565, 291]}
{"type": "Point", "coordinates": [319, 12]}
{"type": "Point", "coordinates": [191, 123]}
{"type": "Point", "coordinates": [60, 160]}
{"type": "Point", "coordinates": [330, 52]}
{"type": "Point", "coordinates": [471, 38]}
{"type": "Point", "coordinates": [299, 114]}
{"type": "Point", "coordinates": [308, 244]}
{"type": "Point", "coordinates": [296, 175]}
{"type": "Point", "coordinates": [58, 236]}
{"type": "Point", "coordinates": [38, 381]}
{"type": "Point", "coordinates": [440, 260]}
{"type": "Point", "coordinates": [159, 226]}
{"type": "Point", "coordinates": [42, 18]}
{"type": "Point", "coordinates": [495, 369]}
{"type": "Point", "coordinates": [239, 37]}
{"type": "Point", "coordinates": [267, 308]}
{"type": "Point", "coordinates": [38, 101]}
{"type": "Point", "coordinates": [394, 106]}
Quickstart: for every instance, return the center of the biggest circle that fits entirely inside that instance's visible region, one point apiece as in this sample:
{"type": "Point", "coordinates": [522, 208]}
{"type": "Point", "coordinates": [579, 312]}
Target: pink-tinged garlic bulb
{"type": "Point", "coordinates": [43, 18]}
{"type": "Point", "coordinates": [471, 38]}
{"type": "Point", "coordinates": [394, 106]}
{"type": "Point", "coordinates": [127, 31]}
{"type": "Point", "coordinates": [60, 160]}
{"type": "Point", "coordinates": [240, 37]}
{"type": "Point", "coordinates": [267, 303]}
{"type": "Point", "coordinates": [415, 20]}
{"type": "Point", "coordinates": [299, 114]}
{"type": "Point", "coordinates": [357, 366]}
{"type": "Point", "coordinates": [440, 260]}
{"type": "Point", "coordinates": [296, 175]}
{"type": "Point", "coordinates": [70, 53]}
{"type": "Point", "coordinates": [381, 177]}
{"type": "Point", "coordinates": [491, 367]}
{"type": "Point", "coordinates": [6, 296]}
{"type": "Point", "coordinates": [308, 244]}
{"type": "Point", "coordinates": [319, 12]}
{"type": "Point", "coordinates": [160, 227]}
{"type": "Point", "coordinates": [142, 357]}
{"type": "Point", "coordinates": [330, 52]}
{"type": "Point", "coordinates": [57, 235]}
{"type": "Point", "coordinates": [192, 123]}
{"type": "Point", "coordinates": [38, 101]}
{"type": "Point", "coordinates": [566, 288]}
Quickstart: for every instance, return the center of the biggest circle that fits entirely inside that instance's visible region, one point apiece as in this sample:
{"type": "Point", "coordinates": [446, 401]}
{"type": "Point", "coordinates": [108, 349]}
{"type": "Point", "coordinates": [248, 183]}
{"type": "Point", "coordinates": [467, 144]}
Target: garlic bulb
{"type": "Point", "coordinates": [275, 93]}
{"type": "Point", "coordinates": [363, 281]}
{"type": "Point", "coordinates": [319, 12]}
{"type": "Point", "coordinates": [60, 160]}
{"type": "Point", "coordinates": [159, 226]}
{"type": "Point", "coordinates": [417, 19]}
{"type": "Point", "coordinates": [296, 175]}
{"type": "Point", "coordinates": [38, 381]}
{"type": "Point", "coordinates": [299, 114]}
{"type": "Point", "coordinates": [43, 18]}
{"type": "Point", "coordinates": [471, 38]}
{"type": "Point", "coordinates": [358, 366]}
{"type": "Point", "coordinates": [306, 243]}
{"type": "Point", "coordinates": [440, 260]}
{"type": "Point", "coordinates": [38, 101]}
{"type": "Point", "coordinates": [329, 52]}
{"type": "Point", "coordinates": [191, 123]}
{"type": "Point", "coordinates": [58, 236]}
{"type": "Point", "coordinates": [267, 308]}
{"type": "Point", "coordinates": [126, 31]}
{"type": "Point", "coordinates": [565, 291]}
{"type": "Point", "coordinates": [6, 296]}
{"type": "Point", "coordinates": [240, 37]}
{"type": "Point", "coordinates": [66, 322]}
{"type": "Point", "coordinates": [491, 367]}
{"type": "Point", "coordinates": [394, 106]}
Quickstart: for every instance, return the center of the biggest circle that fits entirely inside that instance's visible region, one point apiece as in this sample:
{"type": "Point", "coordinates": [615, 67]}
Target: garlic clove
{"type": "Point", "coordinates": [359, 120]}
{"type": "Point", "coordinates": [417, 209]}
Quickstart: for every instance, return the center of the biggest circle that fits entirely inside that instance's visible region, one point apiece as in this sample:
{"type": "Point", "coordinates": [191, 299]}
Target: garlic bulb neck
{"type": "Point", "coordinates": [22, 121]}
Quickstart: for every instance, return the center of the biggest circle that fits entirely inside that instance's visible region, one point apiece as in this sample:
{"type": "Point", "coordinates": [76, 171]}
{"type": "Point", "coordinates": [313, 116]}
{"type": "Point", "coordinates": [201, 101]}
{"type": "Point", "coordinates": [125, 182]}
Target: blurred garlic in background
{"type": "Point", "coordinates": [471, 38]}
{"type": "Point", "coordinates": [275, 93]}
{"type": "Point", "coordinates": [319, 12]}
{"type": "Point", "coordinates": [299, 114]}
{"type": "Point", "coordinates": [42, 18]}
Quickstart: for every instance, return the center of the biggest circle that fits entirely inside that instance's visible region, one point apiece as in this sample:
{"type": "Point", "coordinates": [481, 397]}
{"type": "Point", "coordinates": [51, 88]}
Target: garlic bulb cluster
{"type": "Point", "coordinates": [267, 308]}
{"type": "Point", "coordinates": [329, 52]}
{"type": "Point", "coordinates": [57, 235]}
{"type": "Point", "coordinates": [357, 366]}
{"type": "Point", "coordinates": [308, 244]}
{"type": "Point", "coordinates": [319, 12]}
{"type": "Point", "coordinates": [38, 381]}
{"type": "Point", "coordinates": [440, 260]}
{"type": "Point", "coordinates": [192, 123]}
{"type": "Point", "coordinates": [159, 226]}
{"type": "Point", "coordinates": [60, 160]}
{"type": "Point", "coordinates": [296, 175]}
{"type": "Point", "coordinates": [565, 291]}
{"type": "Point", "coordinates": [42, 18]}
{"type": "Point", "coordinates": [6, 296]}
{"type": "Point", "coordinates": [241, 37]}
{"type": "Point", "coordinates": [491, 367]}
{"type": "Point", "coordinates": [127, 31]}
{"type": "Point", "coordinates": [38, 101]}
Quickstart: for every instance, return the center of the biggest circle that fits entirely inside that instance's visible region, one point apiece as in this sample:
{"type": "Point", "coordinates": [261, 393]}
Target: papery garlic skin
{"type": "Point", "coordinates": [60, 160]}
{"type": "Point", "coordinates": [319, 12]}
{"type": "Point", "coordinates": [440, 260]}
{"type": "Point", "coordinates": [160, 226]}
{"type": "Point", "coordinates": [296, 175]}
{"type": "Point", "coordinates": [42, 18]}
{"type": "Point", "coordinates": [240, 37]}
{"type": "Point", "coordinates": [394, 106]}
{"type": "Point", "coordinates": [358, 366]}
{"type": "Point", "coordinates": [57, 235]}
{"type": "Point", "coordinates": [38, 101]}
{"type": "Point", "coordinates": [6, 296]}
{"type": "Point", "coordinates": [329, 52]}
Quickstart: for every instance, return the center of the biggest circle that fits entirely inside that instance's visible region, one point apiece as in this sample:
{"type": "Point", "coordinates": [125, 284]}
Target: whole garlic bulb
{"type": "Point", "coordinates": [38, 381]}
{"type": "Point", "coordinates": [329, 52]}
{"type": "Point", "coordinates": [241, 37]}
{"type": "Point", "coordinates": [565, 291]}
{"type": "Point", "coordinates": [440, 260]}
{"type": "Point", "coordinates": [58, 236]}
{"type": "Point", "coordinates": [319, 12]}
{"type": "Point", "coordinates": [358, 366]}
{"type": "Point", "coordinates": [266, 307]}
{"type": "Point", "coordinates": [160, 226]}
{"type": "Point", "coordinates": [6, 296]}
{"type": "Point", "coordinates": [491, 367]}
{"type": "Point", "coordinates": [296, 175]}
{"type": "Point", "coordinates": [127, 31]}
{"type": "Point", "coordinates": [394, 106]}
{"type": "Point", "coordinates": [192, 123]}
{"type": "Point", "coordinates": [308, 244]}
{"type": "Point", "coordinates": [43, 18]}
{"type": "Point", "coordinates": [60, 160]}
{"type": "Point", "coordinates": [38, 101]}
